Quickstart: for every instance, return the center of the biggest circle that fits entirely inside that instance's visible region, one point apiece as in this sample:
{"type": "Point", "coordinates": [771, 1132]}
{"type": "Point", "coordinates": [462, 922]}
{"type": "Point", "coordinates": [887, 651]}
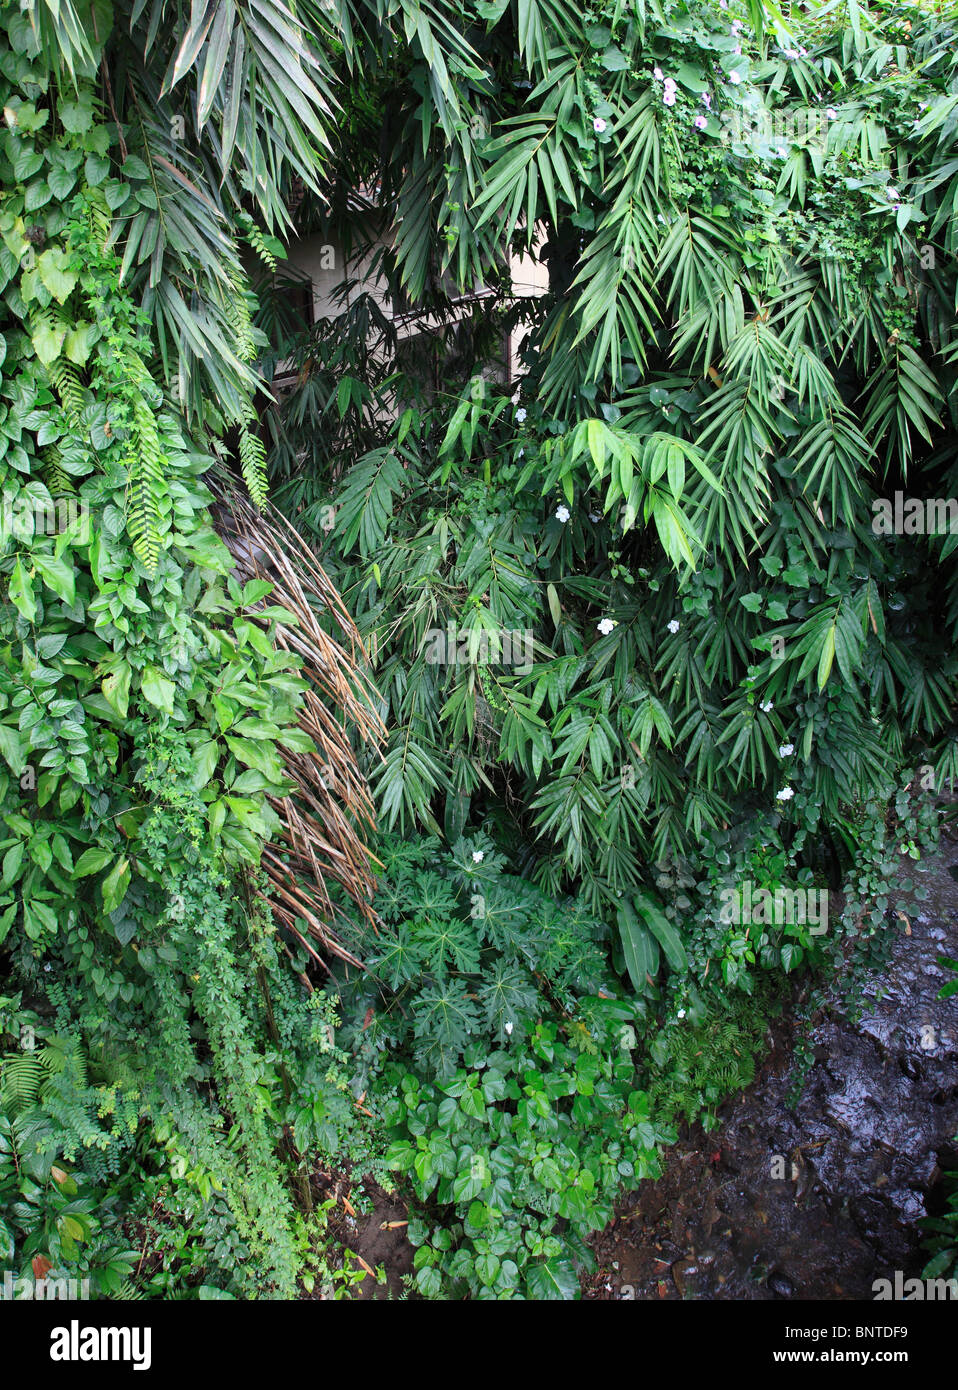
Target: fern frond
{"type": "Point", "coordinates": [65, 380]}
{"type": "Point", "coordinates": [56, 479]}
{"type": "Point", "coordinates": [21, 1076]}
{"type": "Point", "coordinates": [253, 462]}
{"type": "Point", "coordinates": [144, 460]}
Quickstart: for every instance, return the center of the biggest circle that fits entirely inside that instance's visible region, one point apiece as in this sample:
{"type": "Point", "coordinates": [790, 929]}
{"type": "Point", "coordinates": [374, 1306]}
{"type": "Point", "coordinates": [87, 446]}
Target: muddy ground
{"type": "Point", "coordinates": [819, 1201]}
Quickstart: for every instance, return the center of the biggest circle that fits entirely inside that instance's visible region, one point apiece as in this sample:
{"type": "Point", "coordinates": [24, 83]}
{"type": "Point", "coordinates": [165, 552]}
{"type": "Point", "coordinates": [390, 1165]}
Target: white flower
{"type": "Point", "coordinates": [785, 794]}
{"type": "Point", "coordinates": [830, 113]}
{"type": "Point", "coordinates": [923, 106]}
{"type": "Point", "coordinates": [681, 1013]}
{"type": "Point", "coordinates": [509, 1027]}
{"type": "Point", "coordinates": [892, 194]}
{"type": "Point", "coordinates": [674, 625]}
{"type": "Point", "coordinates": [782, 152]}
{"type": "Point", "coordinates": [669, 84]}
{"type": "Point", "coordinates": [803, 52]}
{"type": "Point", "coordinates": [598, 125]}
{"type": "Point", "coordinates": [658, 74]}
{"type": "Point", "coordinates": [478, 856]}
{"type": "Point", "coordinates": [723, 4]}
{"type": "Point", "coordinates": [700, 123]}
{"type": "Point", "coordinates": [606, 626]}
{"type": "Point", "coordinates": [766, 707]}
{"type": "Point", "coordinates": [706, 99]}
{"type": "Point", "coordinates": [786, 750]}
{"type": "Point", "coordinates": [668, 98]}
{"type": "Point", "coordinates": [791, 53]}
{"type": "Point", "coordinates": [521, 414]}
{"type": "Point", "coordinates": [562, 514]}
{"type": "Point", "coordinates": [734, 78]}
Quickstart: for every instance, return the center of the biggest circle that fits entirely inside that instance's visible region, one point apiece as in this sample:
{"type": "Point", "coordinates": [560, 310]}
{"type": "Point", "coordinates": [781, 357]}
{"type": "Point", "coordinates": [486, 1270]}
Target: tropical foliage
{"type": "Point", "coordinates": [596, 645]}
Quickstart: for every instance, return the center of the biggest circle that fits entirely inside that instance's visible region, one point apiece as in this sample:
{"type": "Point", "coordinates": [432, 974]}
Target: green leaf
{"type": "Point", "coordinates": [58, 575]}
{"type": "Point", "coordinates": [21, 591]}
{"type": "Point", "coordinates": [116, 688]}
{"type": "Point", "coordinates": [158, 689]}
{"type": "Point", "coordinates": [640, 959]}
{"type": "Point", "coordinates": [553, 1281]}
{"type": "Point", "coordinates": [663, 929]}
{"type": "Point", "coordinates": [115, 884]}
{"type": "Point", "coordinates": [47, 340]}
{"type": "Point", "coordinates": [91, 861]}
{"type": "Point", "coordinates": [56, 274]}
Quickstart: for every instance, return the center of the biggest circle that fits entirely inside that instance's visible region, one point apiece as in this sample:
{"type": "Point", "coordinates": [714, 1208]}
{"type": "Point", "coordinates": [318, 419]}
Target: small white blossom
{"type": "Point", "coordinates": [786, 750]}
{"type": "Point", "coordinates": [830, 113]}
{"type": "Point", "coordinates": [782, 152]}
{"type": "Point", "coordinates": [669, 84]}
{"type": "Point", "coordinates": [478, 856]}
{"type": "Point", "coordinates": [594, 516]}
{"type": "Point", "coordinates": [766, 707]}
{"type": "Point", "coordinates": [706, 99]}
{"type": "Point", "coordinates": [521, 414]}
{"type": "Point", "coordinates": [734, 78]}
{"type": "Point", "coordinates": [598, 125]}
{"type": "Point", "coordinates": [605, 626]}
{"type": "Point", "coordinates": [669, 98]}
{"type": "Point", "coordinates": [785, 794]}
{"type": "Point", "coordinates": [674, 625]}
{"type": "Point", "coordinates": [681, 1013]}
{"type": "Point", "coordinates": [658, 74]}
{"type": "Point", "coordinates": [562, 514]}
{"type": "Point", "coordinates": [892, 193]}
{"type": "Point", "coordinates": [509, 1027]}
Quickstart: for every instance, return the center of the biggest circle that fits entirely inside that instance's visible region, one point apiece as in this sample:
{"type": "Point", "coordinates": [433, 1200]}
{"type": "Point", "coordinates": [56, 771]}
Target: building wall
{"type": "Point", "coordinates": [323, 263]}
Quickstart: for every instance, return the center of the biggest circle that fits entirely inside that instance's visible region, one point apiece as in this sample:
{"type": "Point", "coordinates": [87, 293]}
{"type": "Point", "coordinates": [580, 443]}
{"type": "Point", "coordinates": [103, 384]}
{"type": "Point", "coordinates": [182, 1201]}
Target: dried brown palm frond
{"type": "Point", "coordinates": [327, 820]}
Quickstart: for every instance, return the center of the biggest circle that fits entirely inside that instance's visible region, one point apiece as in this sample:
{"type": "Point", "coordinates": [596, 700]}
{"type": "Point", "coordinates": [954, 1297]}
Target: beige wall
{"type": "Point", "coordinates": [324, 265]}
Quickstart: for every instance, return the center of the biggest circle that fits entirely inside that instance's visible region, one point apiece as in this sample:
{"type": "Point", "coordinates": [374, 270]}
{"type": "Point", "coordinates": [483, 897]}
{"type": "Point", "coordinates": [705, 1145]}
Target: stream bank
{"type": "Point", "coordinates": [820, 1200]}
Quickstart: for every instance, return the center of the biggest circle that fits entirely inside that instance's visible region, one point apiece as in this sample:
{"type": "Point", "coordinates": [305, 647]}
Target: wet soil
{"type": "Point", "coordinates": [372, 1225]}
{"type": "Point", "coordinates": [820, 1200]}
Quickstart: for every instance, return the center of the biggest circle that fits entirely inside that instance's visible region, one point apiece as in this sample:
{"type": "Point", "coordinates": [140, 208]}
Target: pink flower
{"type": "Point", "coordinates": [658, 74]}
{"type": "Point", "coordinates": [830, 113]}
{"type": "Point", "coordinates": [706, 99]}
{"type": "Point", "coordinates": [669, 84]}
{"type": "Point", "coordinates": [734, 78]}
{"type": "Point", "coordinates": [700, 122]}
{"type": "Point", "coordinates": [669, 98]}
